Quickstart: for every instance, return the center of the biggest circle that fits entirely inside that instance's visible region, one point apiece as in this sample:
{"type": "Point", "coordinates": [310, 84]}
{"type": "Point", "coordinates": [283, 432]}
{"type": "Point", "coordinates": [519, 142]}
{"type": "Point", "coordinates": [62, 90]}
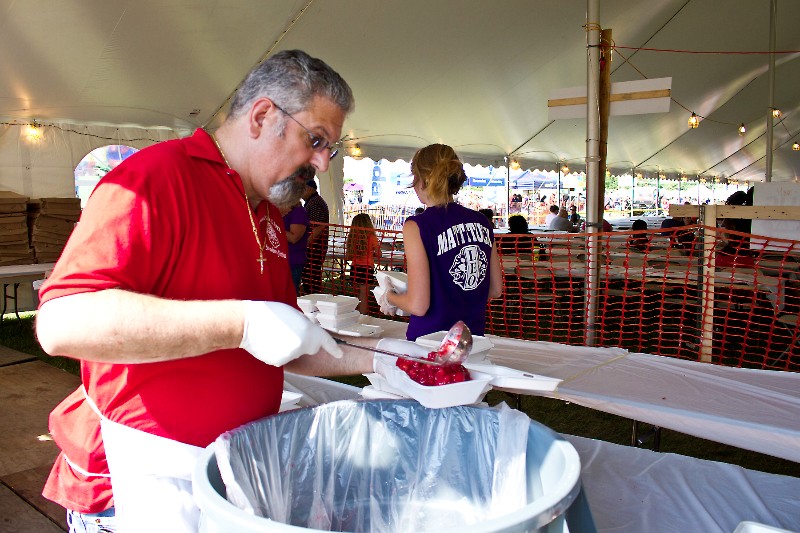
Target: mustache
{"type": "Point", "coordinates": [286, 192]}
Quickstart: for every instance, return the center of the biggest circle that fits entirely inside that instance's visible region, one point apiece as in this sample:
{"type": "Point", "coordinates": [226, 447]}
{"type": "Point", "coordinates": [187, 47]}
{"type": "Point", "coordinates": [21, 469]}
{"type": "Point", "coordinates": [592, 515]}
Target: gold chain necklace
{"type": "Point", "coordinates": [261, 247]}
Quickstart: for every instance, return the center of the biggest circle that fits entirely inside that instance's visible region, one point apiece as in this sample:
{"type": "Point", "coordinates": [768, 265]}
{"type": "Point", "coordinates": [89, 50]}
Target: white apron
{"type": "Point", "coordinates": [151, 477]}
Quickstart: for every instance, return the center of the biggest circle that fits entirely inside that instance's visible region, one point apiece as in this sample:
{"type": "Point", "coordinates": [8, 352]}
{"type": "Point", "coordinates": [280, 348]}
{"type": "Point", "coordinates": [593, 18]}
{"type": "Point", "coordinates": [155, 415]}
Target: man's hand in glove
{"type": "Point", "coordinates": [277, 333]}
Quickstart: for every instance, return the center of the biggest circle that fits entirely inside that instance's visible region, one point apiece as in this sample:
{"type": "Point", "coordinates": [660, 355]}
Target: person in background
{"type": "Point", "coordinates": [489, 215]}
{"type": "Point", "coordinates": [574, 217]}
{"type": "Point", "coordinates": [362, 249]}
{"type": "Point", "coordinates": [607, 227]}
{"type": "Point", "coordinates": [561, 222]}
{"type": "Point", "coordinates": [671, 223]}
{"type": "Point", "coordinates": [183, 327]}
{"type": "Point", "coordinates": [317, 249]}
{"type": "Point", "coordinates": [734, 248]}
{"type": "Point", "coordinates": [295, 224]}
{"type": "Point", "coordinates": [640, 243]}
{"type": "Point", "coordinates": [518, 240]}
{"type": "Point", "coordinates": [551, 215]}
{"type": "Point", "coordinates": [453, 266]}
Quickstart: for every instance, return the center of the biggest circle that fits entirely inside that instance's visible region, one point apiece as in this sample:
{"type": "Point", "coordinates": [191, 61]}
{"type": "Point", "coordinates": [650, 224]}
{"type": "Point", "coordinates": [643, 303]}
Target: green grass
{"type": "Point", "coordinates": [561, 416]}
{"type": "Point", "coordinates": [20, 336]}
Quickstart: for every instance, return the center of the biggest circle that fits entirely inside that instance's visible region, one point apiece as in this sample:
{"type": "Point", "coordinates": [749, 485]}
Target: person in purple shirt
{"type": "Point", "coordinates": [295, 222]}
{"type": "Point", "coordinates": [451, 257]}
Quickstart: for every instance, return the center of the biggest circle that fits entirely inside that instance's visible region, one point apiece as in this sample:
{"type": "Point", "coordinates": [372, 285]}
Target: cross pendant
{"type": "Point", "coordinates": [261, 260]}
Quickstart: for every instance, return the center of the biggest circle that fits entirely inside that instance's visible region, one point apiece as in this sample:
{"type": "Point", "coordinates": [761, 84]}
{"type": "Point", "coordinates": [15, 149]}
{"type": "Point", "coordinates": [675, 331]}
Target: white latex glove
{"type": "Point", "coordinates": [277, 333]}
{"type": "Point", "coordinates": [402, 347]}
{"type": "Point", "coordinates": [383, 301]}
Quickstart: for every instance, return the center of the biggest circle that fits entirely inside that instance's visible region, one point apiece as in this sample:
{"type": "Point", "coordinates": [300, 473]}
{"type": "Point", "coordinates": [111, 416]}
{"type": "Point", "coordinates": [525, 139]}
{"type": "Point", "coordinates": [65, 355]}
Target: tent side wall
{"type": "Point", "coordinates": [44, 167]}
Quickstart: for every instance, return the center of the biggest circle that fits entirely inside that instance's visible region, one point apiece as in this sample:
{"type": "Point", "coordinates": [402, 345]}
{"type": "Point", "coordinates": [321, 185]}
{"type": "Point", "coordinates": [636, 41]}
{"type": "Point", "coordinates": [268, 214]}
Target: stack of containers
{"type": "Point", "coordinates": [332, 312]}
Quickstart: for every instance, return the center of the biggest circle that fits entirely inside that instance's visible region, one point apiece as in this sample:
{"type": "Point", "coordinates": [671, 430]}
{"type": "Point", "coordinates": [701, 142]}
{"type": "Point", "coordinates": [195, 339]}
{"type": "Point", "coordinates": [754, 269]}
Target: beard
{"type": "Point", "coordinates": [286, 192]}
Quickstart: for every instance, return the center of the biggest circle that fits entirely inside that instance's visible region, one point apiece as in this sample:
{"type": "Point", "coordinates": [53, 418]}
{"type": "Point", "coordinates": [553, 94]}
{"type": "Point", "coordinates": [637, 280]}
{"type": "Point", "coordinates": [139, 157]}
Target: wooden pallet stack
{"type": "Point", "coordinates": [51, 221]}
{"type": "Point", "coordinates": [15, 248]}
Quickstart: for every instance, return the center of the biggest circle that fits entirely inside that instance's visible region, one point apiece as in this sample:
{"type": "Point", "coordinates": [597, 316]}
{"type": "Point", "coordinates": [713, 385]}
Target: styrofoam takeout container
{"type": "Point", "coordinates": [289, 400]}
{"type": "Point", "coordinates": [517, 380]}
{"type": "Point", "coordinates": [307, 305]}
{"type": "Point", "coordinates": [398, 280]}
{"type": "Point", "coordinates": [480, 344]}
{"type": "Point", "coordinates": [334, 304]}
{"type": "Point", "coordinates": [395, 381]}
{"type": "Point", "coordinates": [338, 321]}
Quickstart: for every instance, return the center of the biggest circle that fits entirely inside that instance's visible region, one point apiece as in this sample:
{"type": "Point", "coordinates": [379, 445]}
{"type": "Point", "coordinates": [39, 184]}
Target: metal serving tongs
{"type": "Point", "coordinates": [454, 348]}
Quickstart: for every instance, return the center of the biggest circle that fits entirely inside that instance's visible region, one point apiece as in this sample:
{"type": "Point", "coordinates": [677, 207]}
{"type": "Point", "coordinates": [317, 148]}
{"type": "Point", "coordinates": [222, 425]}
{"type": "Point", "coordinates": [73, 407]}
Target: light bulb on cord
{"type": "Point", "coordinates": [355, 151]}
{"type": "Point", "coordinates": [515, 164]}
{"type": "Point", "coordinates": [33, 132]}
{"type": "Point", "coordinates": [694, 121]}
{"type": "Point", "coordinates": [776, 113]}
{"type": "Point", "coordinates": [565, 169]}
{"type": "Point", "coordinates": [796, 146]}
{"type": "Point", "coordinates": [742, 130]}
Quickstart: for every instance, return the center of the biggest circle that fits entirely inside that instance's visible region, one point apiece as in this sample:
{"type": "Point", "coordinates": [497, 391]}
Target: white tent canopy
{"type": "Point", "coordinates": [473, 74]}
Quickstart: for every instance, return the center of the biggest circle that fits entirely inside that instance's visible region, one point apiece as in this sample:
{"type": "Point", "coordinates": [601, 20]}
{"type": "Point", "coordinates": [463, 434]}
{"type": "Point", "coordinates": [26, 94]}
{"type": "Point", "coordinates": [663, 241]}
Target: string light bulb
{"type": "Point", "coordinates": [565, 169]}
{"type": "Point", "coordinates": [33, 132]}
{"type": "Point", "coordinates": [742, 130]}
{"type": "Point", "coordinates": [515, 164]}
{"type": "Point", "coordinates": [355, 151]}
{"type": "Point", "coordinates": [776, 113]}
{"type": "Point", "coordinates": [796, 146]}
{"type": "Point", "coordinates": [694, 121]}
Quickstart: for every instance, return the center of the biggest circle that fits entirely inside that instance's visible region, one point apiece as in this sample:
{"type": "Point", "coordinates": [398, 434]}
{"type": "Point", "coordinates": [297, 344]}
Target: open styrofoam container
{"type": "Point", "coordinates": [398, 280]}
{"type": "Point", "coordinates": [480, 345]}
{"type": "Point", "coordinates": [513, 379]}
{"type": "Point", "coordinates": [338, 321]}
{"type": "Point", "coordinates": [396, 381]}
{"type": "Point", "coordinates": [289, 400]}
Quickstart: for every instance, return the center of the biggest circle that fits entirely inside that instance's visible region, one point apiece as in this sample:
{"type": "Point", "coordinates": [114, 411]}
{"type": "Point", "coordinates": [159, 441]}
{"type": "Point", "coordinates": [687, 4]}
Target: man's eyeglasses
{"type": "Point", "coordinates": [318, 144]}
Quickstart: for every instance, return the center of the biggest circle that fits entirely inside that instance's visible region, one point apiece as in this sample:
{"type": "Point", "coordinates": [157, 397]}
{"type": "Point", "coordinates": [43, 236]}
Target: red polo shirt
{"type": "Point", "coordinates": [170, 221]}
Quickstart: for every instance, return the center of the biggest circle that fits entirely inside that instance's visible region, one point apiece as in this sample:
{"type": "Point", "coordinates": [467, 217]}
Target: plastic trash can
{"type": "Point", "coordinates": [551, 476]}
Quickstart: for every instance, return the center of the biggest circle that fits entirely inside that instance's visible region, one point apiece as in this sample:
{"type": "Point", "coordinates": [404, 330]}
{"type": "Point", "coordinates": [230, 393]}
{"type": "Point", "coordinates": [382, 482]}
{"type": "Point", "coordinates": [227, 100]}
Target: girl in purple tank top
{"type": "Point", "coordinates": [453, 266]}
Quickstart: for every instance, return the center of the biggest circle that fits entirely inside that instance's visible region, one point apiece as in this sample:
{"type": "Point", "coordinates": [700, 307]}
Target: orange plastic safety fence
{"type": "Point", "coordinates": [335, 270]}
{"type": "Point", "coordinates": [683, 292]}
{"type": "Point", "coordinates": [662, 292]}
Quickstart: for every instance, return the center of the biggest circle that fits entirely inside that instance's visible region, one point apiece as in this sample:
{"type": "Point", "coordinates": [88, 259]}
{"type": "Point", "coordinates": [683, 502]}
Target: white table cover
{"type": "Point", "coordinates": [756, 410]}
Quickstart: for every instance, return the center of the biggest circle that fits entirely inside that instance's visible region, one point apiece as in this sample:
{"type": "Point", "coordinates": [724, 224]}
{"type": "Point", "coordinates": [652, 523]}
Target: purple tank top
{"type": "Point", "coordinates": [458, 242]}
{"type": "Point", "coordinates": [297, 250]}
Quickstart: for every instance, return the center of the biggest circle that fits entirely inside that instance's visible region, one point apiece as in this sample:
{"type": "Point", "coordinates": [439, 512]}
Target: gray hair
{"type": "Point", "coordinates": [292, 78]}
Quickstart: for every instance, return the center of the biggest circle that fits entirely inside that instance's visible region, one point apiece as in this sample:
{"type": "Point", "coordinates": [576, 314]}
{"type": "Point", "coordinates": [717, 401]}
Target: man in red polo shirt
{"type": "Point", "coordinates": [175, 294]}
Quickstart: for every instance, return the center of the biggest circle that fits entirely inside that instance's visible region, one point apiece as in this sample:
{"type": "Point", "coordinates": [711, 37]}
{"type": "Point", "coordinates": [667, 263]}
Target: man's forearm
{"type": "Point", "coordinates": [116, 326]}
{"type": "Point", "coordinates": [354, 361]}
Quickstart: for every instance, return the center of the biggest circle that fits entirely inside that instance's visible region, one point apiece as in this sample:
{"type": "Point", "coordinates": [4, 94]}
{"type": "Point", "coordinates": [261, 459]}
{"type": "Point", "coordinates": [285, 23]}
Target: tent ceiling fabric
{"type": "Point", "coordinates": [474, 74]}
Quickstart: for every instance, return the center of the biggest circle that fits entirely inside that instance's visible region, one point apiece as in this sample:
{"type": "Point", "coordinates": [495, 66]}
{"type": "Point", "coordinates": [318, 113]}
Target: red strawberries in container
{"type": "Point", "coordinates": [432, 375]}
